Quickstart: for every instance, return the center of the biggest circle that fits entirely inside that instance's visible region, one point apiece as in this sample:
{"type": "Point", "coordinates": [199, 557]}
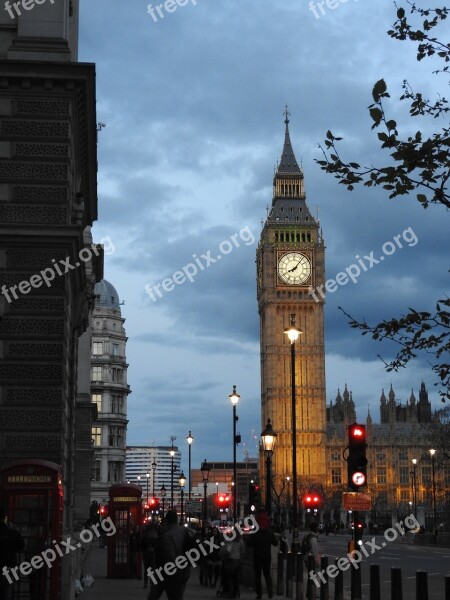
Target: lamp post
{"type": "Point", "coordinates": [154, 465]}
{"type": "Point", "coordinates": [432, 453]}
{"type": "Point", "coordinates": [293, 334]}
{"type": "Point", "coordinates": [148, 477]}
{"type": "Point", "coordinates": [414, 462]}
{"type": "Point", "coordinates": [172, 454]}
{"type": "Point", "coordinates": [268, 437]}
{"type": "Point", "coordinates": [182, 482]}
{"type": "Point", "coordinates": [163, 493]}
{"type": "Point", "coordinates": [288, 479]}
{"type": "Point", "coordinates": [234, 398]}
{"type": "Point", "coordinates": [205, 468]}
{"type": "Point", "coordinates": [189, 439]}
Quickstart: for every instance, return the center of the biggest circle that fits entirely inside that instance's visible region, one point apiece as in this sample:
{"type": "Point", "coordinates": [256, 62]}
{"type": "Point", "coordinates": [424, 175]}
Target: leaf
{"type": "Point", "coordinates": [376, 114]}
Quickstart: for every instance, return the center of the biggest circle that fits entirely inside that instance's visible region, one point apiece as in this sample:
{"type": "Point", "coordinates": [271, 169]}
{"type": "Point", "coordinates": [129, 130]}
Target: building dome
{"type": "Point", "coordinates": [106, 295]}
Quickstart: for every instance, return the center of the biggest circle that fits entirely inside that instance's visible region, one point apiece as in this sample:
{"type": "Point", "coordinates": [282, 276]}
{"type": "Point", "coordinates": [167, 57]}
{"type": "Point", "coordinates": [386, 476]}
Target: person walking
{"type": "Point", "coordinates": [11, 542]}
{"type": "Point", "coordinates": [148, 541]}
{"type": "Point", "coordinates": [174, 541]}
{"type": "Point", "coordinates": [262, 541]}
{"type": "Point", "coordinates": [233, 553]}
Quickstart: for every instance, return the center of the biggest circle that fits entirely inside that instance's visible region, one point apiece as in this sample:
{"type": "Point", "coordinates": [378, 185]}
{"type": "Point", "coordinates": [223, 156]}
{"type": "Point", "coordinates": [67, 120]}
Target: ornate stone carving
{"type": "Point", "coordinates": [18, 372]}
{"type": "Point", "coordinates": [42, 107]}
{"type": "Point", "coordinates": [33, 441]}
{"type": "Point", "coordinates": [13, 169]}
{"type": "Point", "coordinates": [36, 304]}
{"type": "Point", "coordinates": [54, 215]}
{"type": "Point", "coordinates": [38, 258]}
{"type": "Point", "coordinates": [15, 397]}
{"type": "Point", "coordinates": [42, 327]}
{"type": "Point", "coordinates": [46, 150]}
{"type": "Point", "coordinates": [20, 419]}
{"type": "Point", "coordinates": [25, 349]}
{"type": "Point", "coordinates": [38, 129]}
{"type": "Point", "coordinates": [35, 193]}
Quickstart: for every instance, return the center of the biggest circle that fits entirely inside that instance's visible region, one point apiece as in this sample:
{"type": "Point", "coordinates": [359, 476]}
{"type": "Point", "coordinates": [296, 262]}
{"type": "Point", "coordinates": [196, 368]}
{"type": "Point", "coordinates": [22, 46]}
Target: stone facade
{"type": "Point", "coordinates": [109, 389]}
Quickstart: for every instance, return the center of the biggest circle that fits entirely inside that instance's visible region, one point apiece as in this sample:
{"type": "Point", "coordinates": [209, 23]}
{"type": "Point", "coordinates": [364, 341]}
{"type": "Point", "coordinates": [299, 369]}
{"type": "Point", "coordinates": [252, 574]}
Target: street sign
{"type": "Point", "coordinates": [356, 501]}
{"type": "Point", "coordinates": [194, 506]}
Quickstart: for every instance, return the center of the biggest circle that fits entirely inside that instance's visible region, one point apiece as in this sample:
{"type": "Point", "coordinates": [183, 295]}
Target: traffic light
{"type": "Point", "coordinates": [312, 501]}
{"type": "Point", "coordinates": [253, 496]}
{"type": "Point", "coordinates": [223, 502]}
{"type": "Point", "coordinates": [356, 460]}
{"type": "Point", "coordinates": [153, 504]}
{"type": "Point", "coordinates": [359, 528]}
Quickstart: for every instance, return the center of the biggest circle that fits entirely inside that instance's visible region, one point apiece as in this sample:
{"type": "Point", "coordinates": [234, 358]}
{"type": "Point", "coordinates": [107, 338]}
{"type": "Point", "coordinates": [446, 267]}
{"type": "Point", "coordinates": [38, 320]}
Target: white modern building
{"type": "Point", "coordinates": [156, 461]}
{"type": "Point", "coordinates": [109, 391]}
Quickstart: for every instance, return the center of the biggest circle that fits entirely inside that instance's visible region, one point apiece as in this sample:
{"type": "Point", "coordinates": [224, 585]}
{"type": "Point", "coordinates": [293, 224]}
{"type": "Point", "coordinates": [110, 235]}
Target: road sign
{"type": "Point", "coordinates": [356, 501]}
{"type": "Point", "coordinates": [194, 506]}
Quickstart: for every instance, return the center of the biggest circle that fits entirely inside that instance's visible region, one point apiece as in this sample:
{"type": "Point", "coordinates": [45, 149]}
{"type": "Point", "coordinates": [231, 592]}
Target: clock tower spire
{"type": "Point", "coordinates": [290, 264]}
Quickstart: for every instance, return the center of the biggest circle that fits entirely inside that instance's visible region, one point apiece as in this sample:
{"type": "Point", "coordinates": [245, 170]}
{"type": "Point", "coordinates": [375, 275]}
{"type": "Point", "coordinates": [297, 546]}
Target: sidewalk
{"type": "Point", "coordinates": [121, 589]}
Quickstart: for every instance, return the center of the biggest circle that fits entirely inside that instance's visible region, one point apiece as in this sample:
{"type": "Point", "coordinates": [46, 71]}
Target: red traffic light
{"type": "Point", "coordinates": [357, 432]}
{"type": "Point", "coordinates": [312, 500]}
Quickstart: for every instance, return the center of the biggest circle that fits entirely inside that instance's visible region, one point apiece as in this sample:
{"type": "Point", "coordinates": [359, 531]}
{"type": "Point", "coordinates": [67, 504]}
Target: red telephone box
{"type": "Point", "coordinates": [32, 494]}
{"type": "Point", "coordinates": [125, 510]}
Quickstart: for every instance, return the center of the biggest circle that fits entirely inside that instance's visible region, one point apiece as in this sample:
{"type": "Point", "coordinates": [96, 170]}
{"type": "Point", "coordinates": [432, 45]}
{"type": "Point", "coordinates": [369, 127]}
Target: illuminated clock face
{"type": "Point", "coordinates": [294, 268]}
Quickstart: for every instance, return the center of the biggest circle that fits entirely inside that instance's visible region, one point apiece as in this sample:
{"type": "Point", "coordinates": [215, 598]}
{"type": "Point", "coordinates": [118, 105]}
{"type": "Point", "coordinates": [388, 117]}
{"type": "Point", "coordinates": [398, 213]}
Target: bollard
{"type": "Point", "coordinates": [280, 574]}
{"type": "Point", "coordinates": [339, 583]}
{"type": "Point", "coordinates": [447, 587]}
{"type": "Point", "coordinates": [299, 579]}
{"type": "Point", "coordinates": [396, 584]}
{"type": "Point", "coordinates": [311, 586]}
{"type": "Point", "coordinates": [422, 585]}
{"type": "Point", "coordinates": [355, 582]}
{"type": "Point", "coordinates": [324, 591]}
{"type": "Point", "coordinates": [289, 574]}
{"type": "Point", "coordinates": [375, 582]}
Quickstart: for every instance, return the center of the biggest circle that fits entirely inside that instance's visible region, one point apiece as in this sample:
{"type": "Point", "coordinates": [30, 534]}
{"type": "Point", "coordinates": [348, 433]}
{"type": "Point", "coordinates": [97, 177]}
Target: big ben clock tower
{"type": "Point", "coordinates": [290, 264]}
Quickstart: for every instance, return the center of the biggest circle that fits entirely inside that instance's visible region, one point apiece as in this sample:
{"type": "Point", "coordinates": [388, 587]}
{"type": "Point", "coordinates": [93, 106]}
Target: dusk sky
{"type": "Point", "coordinates": [193, 104]}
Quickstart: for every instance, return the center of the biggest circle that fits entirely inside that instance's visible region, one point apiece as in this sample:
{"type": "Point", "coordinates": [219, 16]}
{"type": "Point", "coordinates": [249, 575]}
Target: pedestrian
{"type": "Point", "coordinates": [262, 542]}
{"type": "Point", "coordinates": [11, 542]}
{"type": "Point", "coordinates": [174, 541]}
{"type": "Point", "coordinates": [135, 542]}
{"type": "Point", "coordinates": [233, 553]}
{"type": "Point", "coordinates": [310, 545]}
{"type": "Point", "coordinates": [148, 542]}
{"type": "Point", "coordinates": [214, 561]}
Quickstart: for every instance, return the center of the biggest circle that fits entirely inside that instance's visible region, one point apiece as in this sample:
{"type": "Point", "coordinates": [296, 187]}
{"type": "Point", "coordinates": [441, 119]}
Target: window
{"type": "Point", "coordinates": [97, 400]}
{"type": "Point", "coordinates": [115, 349]}
{"type": "Point", "coordinates": [116, 375]}
{"type": "Point", "coordinates": [96, 470]}
{"type": "Point", "coordinates": [117, 404]}
{"type": "Point", "coordinates": [97, 373]}
{"type": "Point", "coordinates": [403, 454]}
{"type": "Point", "coordinates": [115, 469]}
{"type": "Point", "coordinates": [404, 475]}
{"type": "Point", "coordinates": [336, 476]}
{"type": "Point", "coordinates": [381, 455]}
{"type": "Point", "coordinates": [404, 495]}
{"type": "Point", "coordinates": [336, 455]}
{"type": "Point", "coordinates": [97, 348]}
{"type": "Point", "coordinates": [96, 436]}
{"type": "Point", "coordinates": [426, 474]}
{"type": "Point", "coordinates": [116, 437]}
{"type": "Point", "coordinates": [381, 475]}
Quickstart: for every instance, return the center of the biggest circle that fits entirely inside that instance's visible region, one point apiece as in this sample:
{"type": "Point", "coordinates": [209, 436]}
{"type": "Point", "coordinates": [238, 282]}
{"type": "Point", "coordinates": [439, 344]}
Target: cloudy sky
{"type": "Point", "coordinates": [193, 103]}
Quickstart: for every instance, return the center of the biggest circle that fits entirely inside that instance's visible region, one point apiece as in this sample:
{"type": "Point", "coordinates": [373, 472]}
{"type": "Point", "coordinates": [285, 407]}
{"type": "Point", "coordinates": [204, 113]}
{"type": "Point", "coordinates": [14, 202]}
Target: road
{"type": "Point", "coordinates": [409, 557]}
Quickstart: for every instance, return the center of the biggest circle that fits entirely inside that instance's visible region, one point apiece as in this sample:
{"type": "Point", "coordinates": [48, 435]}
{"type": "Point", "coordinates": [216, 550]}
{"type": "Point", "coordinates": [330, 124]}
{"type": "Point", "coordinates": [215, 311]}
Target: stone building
{"type": "Point", "coordinates": [48, 264]}
{"type": "Point", "coordinates": [109, 389]}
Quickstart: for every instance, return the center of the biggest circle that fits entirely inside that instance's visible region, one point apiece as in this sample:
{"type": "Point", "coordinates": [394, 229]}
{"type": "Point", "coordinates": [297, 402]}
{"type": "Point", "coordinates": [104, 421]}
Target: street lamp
{"type": "Point", "coordinates": [172, 454]}
{"type": "Point", "coordinates": [182, 482]}
{"type": "Point", "coordinates": [268, 437]}
{"type": "Point", "coordinates": [205, 468]}
{"type": "Point", "coordinates": [234, 398]}
{"type": "Point", "coordinates": [154, 465]}
{"type": "Point", "coordinates": [432, 453]}
{"type": "Point", "coordinates": [288, 479]}
{"type": "Point", "coordinates": [414, 462]}
{"type": "Point", "coordinates": [189, 439]}
{"type": "Point", "coordinates": [148, 476]}
{"type": "Point", "coordinates": [163, 493]}
{"type": "Point", "coordinates": [293, 334]}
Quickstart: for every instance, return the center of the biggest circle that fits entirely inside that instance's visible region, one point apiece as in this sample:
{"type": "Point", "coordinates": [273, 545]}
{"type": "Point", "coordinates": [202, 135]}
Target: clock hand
{"type": "Point", "coordinates": [293, 269]}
